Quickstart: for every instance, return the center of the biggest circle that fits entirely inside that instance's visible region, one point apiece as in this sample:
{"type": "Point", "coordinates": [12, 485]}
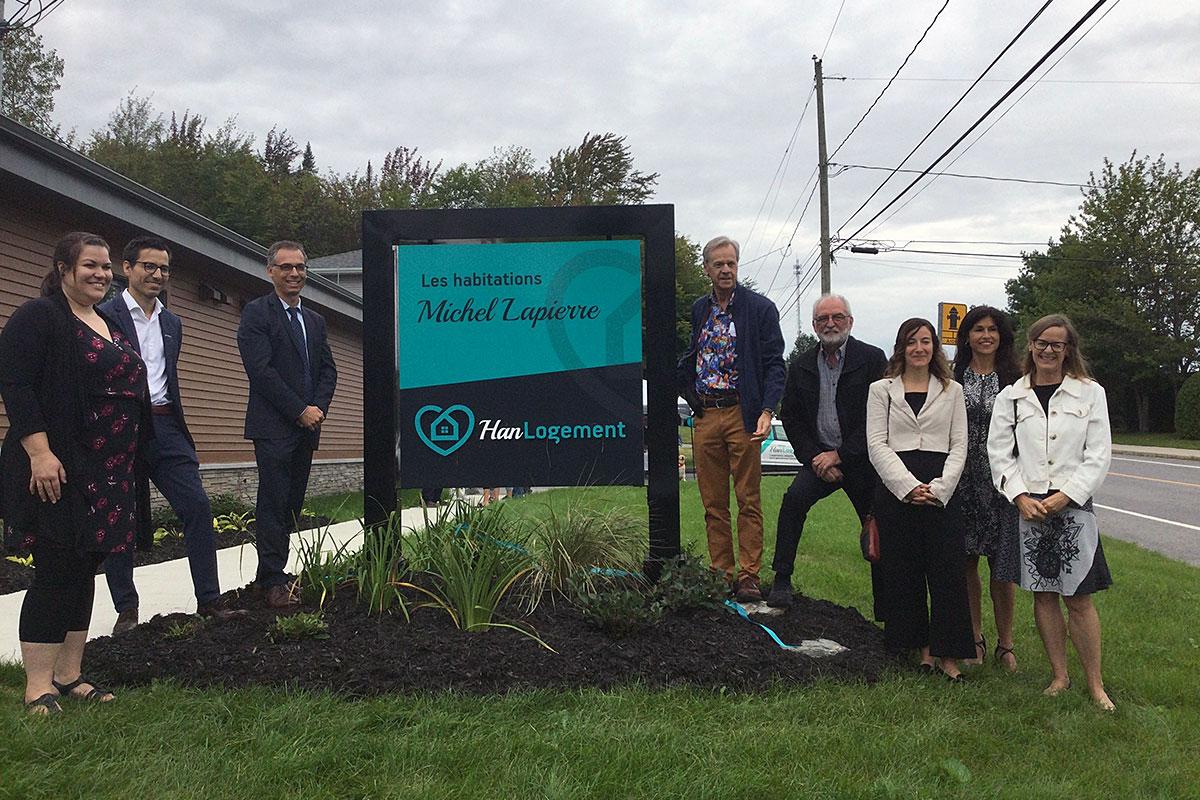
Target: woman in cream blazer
{"type": "Point", "coordinates": [1049, 445]}
{"type": "Point", "coordinates": [917, 442]}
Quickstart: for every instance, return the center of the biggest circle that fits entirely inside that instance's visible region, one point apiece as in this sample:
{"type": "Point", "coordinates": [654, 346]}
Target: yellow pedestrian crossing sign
{"type": "Point", "coordinates": [949, 317]}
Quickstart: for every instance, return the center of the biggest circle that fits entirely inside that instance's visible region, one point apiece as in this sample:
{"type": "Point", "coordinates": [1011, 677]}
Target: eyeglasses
{"type": "Point", "coordinates": [290, 267]}
{"type": "Point", "coordinates": [152, 268]}
{"type": "Point", "coordinates": [838, 318]}
{"type": "Point", "coordinates": [1041, 345]}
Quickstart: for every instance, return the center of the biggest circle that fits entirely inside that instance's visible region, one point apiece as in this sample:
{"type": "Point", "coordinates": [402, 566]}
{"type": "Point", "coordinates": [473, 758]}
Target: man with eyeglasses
{"type": "Point", "coordinates": [824, 414]}
{"type": "Point", "coordinates": [292, 378]}
{"type": "Point", "coordinates": [171, 461]}
{"type": "Point", "coordinates": [732, 377]}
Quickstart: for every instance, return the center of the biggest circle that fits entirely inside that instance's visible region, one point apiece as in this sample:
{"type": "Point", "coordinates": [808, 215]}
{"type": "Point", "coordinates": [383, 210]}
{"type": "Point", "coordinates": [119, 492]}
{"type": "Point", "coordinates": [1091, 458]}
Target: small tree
{"type": "Point", "coordinates": [31, 77]}
{"type": "Point", "coordinates": [1187, 408]}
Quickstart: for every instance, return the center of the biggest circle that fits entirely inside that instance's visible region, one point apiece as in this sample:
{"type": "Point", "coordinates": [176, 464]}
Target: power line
{"type": "Point", "coordinates": [971, 241]}
{"type": "Point", "coordinates": [957, 102]}
{"type": "Point", "coordinates": [903, 63]}
{"type": "Point", "coordinates": [783, 161]}
{"type": "Point", "coordinates": [787, 248]}
{"type": "Point", "coordinates": [983, 117]}
{"type": "Point", "coordinates": [845, 167]}
{"type": "Point", "coordinates": [936, 271]}
{"type": "Point", "coordinates": [1008, 80]}
{"type": "Point", "coordinates": [832, 28]}
{"type": "Point", "coordinates": [1005, 113]}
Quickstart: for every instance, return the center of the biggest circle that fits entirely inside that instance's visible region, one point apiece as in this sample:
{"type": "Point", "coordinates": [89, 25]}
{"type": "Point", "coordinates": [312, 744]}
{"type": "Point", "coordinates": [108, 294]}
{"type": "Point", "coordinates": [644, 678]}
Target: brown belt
{"type": "Point", "coordinates": [163, 411]}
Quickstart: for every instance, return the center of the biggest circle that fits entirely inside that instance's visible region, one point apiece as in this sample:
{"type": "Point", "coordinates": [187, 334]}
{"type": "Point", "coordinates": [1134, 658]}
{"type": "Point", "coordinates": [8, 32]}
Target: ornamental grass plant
{"type": "Point", "coordinates": [580, 543]}
{"type": "Point", "coordinates": [468, 560]}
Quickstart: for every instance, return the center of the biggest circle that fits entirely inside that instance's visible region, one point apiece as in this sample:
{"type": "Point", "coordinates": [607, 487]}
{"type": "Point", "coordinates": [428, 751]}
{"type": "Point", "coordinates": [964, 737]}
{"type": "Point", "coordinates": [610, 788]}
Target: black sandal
{"type": "Point", "coordinates": [96, 693]}
{"type": "Point", "coordinates": [47, 701]}
{"type": "Point", "coordinates": [1002, 651]}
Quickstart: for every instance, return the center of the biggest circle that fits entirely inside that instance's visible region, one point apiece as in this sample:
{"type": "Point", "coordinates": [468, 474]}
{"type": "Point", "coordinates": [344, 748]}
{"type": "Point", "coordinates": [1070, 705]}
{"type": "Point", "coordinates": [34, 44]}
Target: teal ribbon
{"type": "Point", "coordinates": [741, 612]}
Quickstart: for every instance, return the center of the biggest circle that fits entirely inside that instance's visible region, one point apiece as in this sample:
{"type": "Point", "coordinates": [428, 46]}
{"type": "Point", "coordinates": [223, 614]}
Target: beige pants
{"type": "Point", "coordinates": [722, 448]}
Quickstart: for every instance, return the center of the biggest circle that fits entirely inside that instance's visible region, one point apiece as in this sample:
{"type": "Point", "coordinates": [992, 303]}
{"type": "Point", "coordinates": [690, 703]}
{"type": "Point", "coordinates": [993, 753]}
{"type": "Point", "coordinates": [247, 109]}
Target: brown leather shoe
{"type": "Point", "coordinates": [216, 610]}
{"type": "Point", "coordinates": [126, 620]}
{"type": "Point", "coordinates": [748, 590]}
{"type": "Point", "coordinates": [280, 596]}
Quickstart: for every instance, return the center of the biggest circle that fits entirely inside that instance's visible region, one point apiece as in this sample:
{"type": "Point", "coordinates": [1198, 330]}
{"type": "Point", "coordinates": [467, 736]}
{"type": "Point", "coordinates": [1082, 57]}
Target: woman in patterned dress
{"type": "Point", "coordinates": [75, 395]}
{"type": "Point", "coordinates": [1050, 447]}
{"type": "Point", "coordinates": [984, 364]}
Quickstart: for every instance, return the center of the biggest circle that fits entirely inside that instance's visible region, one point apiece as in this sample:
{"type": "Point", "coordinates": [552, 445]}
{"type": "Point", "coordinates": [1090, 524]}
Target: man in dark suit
{"type": "Point", "coordinates": [824, 413]}
{"type": "Point", "coordinates": [292, 377]}
{"type": "Point", "coordinates": [157, 334]}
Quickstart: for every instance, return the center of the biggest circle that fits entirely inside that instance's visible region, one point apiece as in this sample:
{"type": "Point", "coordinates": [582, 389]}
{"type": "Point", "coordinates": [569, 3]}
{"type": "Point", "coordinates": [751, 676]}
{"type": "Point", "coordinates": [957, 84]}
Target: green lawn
{"type": "Point", "coordinates": [1156, 440]}
{"type": "Point", "coordinates": [907, 736]}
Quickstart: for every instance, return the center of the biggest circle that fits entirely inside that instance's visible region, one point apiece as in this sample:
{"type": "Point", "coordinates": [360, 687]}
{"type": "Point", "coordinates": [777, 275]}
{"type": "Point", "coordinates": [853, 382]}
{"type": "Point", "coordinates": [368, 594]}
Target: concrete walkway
{"type": "Point", "coordinates": [166, 588]}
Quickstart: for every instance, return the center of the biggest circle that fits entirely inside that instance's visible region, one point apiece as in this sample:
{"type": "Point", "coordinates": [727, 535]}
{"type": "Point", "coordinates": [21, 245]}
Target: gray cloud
{"type": "Point", "coordinates": [707, 94]}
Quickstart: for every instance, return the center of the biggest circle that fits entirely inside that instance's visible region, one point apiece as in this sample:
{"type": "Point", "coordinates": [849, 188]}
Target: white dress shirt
{"type": "Point", "coordinates": [1069, 450]}
{"type": "Point", "coordinates": [150, 344]}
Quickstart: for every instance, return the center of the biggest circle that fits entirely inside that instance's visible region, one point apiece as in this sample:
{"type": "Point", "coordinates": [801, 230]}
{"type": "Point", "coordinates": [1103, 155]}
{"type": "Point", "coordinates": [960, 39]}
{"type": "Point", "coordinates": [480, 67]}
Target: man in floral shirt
{"type": "Point", "coordinates": [733, 377]}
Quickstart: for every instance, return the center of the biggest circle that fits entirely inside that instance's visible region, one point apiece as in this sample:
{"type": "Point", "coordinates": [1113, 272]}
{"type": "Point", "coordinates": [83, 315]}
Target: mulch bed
{"type": "Point", "coordinates": [17, 578]}
{"type": "Point", "coordinates": [370, 655]}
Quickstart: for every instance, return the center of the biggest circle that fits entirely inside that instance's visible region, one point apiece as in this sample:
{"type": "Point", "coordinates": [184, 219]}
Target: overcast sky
{"type": "Point", "coordinates": [708, 95]}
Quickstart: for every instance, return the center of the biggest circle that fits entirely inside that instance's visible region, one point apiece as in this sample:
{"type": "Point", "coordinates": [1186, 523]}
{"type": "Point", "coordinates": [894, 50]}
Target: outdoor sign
{"type": "Point", "coordinates": [520, 363]}
{"type": "Point", "coordinates": [949, 317]}
{"type": "Point", "coordinates": [509, 347]}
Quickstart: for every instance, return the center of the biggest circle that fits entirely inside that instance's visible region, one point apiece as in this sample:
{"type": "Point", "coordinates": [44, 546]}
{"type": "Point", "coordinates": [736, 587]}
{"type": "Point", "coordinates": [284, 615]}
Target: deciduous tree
{"type": "Point", "coordinates": [1127, 271]}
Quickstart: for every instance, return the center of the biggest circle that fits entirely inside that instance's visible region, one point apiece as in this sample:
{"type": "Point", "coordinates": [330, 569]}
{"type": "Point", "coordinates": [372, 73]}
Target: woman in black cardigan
{"type": "Point", "coordinates": [76, 399]}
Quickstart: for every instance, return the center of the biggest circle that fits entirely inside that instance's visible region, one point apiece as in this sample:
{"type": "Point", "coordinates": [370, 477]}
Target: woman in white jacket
{"type": "Point", "coordinates": [917, 442]}
{"type": "Point", "coordinates": [1049, 447]}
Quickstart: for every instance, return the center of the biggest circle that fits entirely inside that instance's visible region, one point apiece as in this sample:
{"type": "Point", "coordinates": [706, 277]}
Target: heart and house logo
{"type": "Point", "coordinates": [444, 430]}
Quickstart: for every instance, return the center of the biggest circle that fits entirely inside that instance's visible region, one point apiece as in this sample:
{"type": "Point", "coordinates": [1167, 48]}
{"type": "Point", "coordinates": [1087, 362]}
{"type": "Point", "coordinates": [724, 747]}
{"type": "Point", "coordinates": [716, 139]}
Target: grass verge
{"type": "Point", "coordinates": [907, 736]}
{"type": "Point", "coordinates": [1156, 440]}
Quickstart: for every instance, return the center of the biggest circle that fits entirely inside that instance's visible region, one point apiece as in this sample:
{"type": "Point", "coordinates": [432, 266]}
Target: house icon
{"type": "Point", "coordinates": [445, 429]}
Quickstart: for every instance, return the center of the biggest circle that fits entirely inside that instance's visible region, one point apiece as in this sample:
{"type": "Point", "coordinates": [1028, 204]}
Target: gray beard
{"type": "Point", "coordinates": [835, 340]}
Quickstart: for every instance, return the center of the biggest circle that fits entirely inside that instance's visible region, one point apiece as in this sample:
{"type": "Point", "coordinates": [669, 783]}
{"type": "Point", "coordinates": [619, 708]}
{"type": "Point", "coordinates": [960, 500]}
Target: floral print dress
{"type": "Point", "coordinates": [113, 377]}
{"type": "Point", "coordinates": [986, 519]}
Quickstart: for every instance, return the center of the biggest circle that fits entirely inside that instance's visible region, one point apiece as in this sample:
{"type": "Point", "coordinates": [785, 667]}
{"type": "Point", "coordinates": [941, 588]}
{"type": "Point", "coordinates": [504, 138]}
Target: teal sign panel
{"type": "Point", "coordinates": [479, 312]}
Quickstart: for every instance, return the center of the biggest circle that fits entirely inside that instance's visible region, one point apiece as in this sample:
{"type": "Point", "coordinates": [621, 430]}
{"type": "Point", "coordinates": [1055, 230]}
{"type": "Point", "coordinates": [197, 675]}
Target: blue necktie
{"type": "Point", "coordinates": [298, 331]}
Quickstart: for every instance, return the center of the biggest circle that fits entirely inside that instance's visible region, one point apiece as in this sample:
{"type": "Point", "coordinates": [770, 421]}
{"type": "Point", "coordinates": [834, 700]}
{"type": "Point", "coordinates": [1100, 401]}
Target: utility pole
{"type": "Point", "coordinates": [823, 176]}
{"type": "Point", "coordinates": [799, 316]}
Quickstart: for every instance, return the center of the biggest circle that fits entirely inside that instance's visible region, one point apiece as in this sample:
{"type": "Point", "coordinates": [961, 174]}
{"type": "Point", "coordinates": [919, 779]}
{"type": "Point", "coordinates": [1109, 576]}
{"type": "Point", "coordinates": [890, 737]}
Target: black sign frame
{"type": "Point", "coordinates": [382, 230]}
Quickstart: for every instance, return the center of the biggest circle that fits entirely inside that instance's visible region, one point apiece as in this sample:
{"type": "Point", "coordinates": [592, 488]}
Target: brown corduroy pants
{"type": "Point", "coordinates": [721, 448]}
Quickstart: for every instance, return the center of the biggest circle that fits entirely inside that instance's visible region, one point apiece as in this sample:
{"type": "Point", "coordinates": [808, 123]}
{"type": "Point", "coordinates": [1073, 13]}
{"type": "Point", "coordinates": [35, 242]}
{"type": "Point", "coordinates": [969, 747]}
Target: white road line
{"type": "Point", "coordinates": [1147, 516]}
{"type": "Point", "coordinates": [1157, 463]}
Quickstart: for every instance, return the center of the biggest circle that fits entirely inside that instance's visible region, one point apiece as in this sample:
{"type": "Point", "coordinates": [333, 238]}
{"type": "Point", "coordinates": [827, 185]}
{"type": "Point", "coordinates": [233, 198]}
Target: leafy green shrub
{"type": "Point", "coordinates": [1187, 408]}
{"type": "Point", "coordinates": [579, 543]}
{"type": "Point", "coordinates": [164, 517]}
{"type": "Point", "coordinates": [323, 568]}
{"type": "Point", "coordinates": [617, 608]}
{"type": "Point", "coordinates": [686, 583]}
{"type": "Point", "coordinates": [472, 557]}
{"type": "Point", "coordinates": [301, 625]}
{"type": "Point", "coordinates": [233, 522]}
{"type": "Point", "coordinates": [223, 504]}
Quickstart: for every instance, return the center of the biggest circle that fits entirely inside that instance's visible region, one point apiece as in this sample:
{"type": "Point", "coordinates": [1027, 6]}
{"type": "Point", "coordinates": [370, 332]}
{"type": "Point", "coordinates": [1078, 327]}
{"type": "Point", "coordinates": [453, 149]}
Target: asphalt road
{"type": "Point", "coordinates": [1153, 502]}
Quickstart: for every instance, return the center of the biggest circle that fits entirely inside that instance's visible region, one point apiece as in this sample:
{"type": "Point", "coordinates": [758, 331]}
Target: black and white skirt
{"type": "Point", "coordinates": [1063, 554]}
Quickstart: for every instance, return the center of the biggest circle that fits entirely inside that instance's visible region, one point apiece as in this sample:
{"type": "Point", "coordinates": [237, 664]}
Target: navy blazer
{"type": "Point", "coordinates": [758, 353]}
{"type": "Point", "coordinates": [172, 334]}
{"type": "Point", "coordinates": [274, 365]}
